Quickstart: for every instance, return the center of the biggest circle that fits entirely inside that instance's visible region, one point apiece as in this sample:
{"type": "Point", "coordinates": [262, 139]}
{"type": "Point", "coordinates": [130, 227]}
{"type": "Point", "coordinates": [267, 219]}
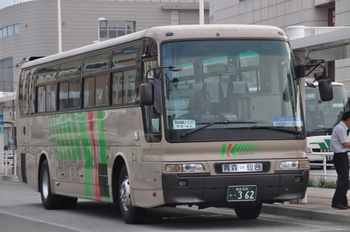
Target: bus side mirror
{"type": "Point", "coordinates": [146, 94]}
{"type": "Point", "coordinates": [325, 89]}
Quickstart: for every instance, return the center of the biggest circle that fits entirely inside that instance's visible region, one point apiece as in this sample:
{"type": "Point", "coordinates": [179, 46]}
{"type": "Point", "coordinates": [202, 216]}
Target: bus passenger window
{"type": "Point", "coordinates": [117, 88]}
{"type": "Point", "coordinates": [51, 97]}
{"type": "Point", "coordinates": [63, 95]}
{"type": "Point", "coordinates": [102, 90]}
{"type": "Point", "coordinates": [129, 86]}
{"type": "Point", "coordinates": [41, 90]}
{"type": "Point", "coordinates": [74, 94]}
{"type": "Point", "coordinates": [23, 90]}
{"type": "Point", "coordinates": [124, 57]}
{"type": "Point", "coordinates": [70, 69]}
{"type": "Point", "coordinates": [89, 85]}
{"type": "Point", "coordinates": [96, 63]}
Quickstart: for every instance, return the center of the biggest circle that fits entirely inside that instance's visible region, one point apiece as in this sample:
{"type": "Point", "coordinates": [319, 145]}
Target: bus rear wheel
{"type": "Point", "coordinates": [248, 212]}
{"type": "Point", "coordinates": [49, 200]}
{"type": "Point", "coordinates": [130, 214]}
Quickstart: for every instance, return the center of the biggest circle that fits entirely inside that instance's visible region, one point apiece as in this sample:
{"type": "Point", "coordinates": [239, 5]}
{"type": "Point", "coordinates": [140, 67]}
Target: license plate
{"type": "Point", "coordinates": [242, 167]}
{"type": "Point", "coordinates": [241, 193]}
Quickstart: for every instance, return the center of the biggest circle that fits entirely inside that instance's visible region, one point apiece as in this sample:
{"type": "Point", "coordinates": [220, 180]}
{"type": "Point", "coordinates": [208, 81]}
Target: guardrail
{"type": "Point", "coordinates": [324, 167]}
{"type": "Point", "coordinates": [8, 162]}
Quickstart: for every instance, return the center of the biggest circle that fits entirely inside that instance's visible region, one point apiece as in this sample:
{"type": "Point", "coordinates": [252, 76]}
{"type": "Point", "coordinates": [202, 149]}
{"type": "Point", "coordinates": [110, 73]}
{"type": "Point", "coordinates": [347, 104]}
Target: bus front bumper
{"type": "Point", "coordinates": [212, 191]}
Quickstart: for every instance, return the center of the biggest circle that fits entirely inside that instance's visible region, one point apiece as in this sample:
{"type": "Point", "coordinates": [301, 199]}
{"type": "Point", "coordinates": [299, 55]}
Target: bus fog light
{"type": "Point", "coordinates": [298, 179]}
{"type": "Point", "coordinates": [182, 183]}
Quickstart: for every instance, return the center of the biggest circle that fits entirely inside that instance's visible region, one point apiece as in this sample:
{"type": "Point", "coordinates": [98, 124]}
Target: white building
{"type": "Point", "coordinates": [32, 29]}
{"type": "Point", "coordinates": [317, 45]}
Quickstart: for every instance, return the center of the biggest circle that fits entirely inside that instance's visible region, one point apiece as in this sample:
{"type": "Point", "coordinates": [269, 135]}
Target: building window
{"type": "Point", "coordinates": [113, 29]}
{"type": "Point", "coordinates": [4, 32]}
{"type": "Point", "coordinates": [6, 75]}
{"type": "Point", "coordinates": [16, 28]}
{"type": "Point", "coordinates": [9, 30]}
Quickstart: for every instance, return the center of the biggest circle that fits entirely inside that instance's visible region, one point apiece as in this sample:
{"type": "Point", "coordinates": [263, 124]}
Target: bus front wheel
{"type": "Point", "coordinates": [130, 214]}
{"type": "Point", "coordinates": [248, 212]}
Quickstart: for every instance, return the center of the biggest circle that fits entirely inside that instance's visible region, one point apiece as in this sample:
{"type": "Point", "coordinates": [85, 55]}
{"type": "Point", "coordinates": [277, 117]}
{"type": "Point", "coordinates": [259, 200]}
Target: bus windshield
{"type": "Point", "coordinates": [231, 90]}
{"type": "Point", "coordinates": [322, 116]}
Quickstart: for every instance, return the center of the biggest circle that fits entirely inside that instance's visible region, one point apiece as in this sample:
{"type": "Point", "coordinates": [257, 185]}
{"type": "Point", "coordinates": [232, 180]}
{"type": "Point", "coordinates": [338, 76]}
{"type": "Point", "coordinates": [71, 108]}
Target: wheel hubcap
{"type": "Point", "coordinates": [125, 195]}
{"type": "Point", "coordinates": [45, 185]}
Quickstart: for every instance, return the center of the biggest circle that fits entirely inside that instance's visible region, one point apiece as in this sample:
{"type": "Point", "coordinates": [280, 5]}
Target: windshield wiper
{"type": "Point", "coordinates": [328, 130]}
{"type": "Point", "coordinates": [208, 124]}
{"type": "Point", "coordinates": [283, 129]}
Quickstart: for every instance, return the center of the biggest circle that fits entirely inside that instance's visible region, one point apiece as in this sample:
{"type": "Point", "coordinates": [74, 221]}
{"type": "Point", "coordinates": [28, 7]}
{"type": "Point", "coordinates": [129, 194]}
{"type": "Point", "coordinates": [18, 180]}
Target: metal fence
{"type": "Point", "coordinates": [8, 162]}
{"type": "Point", "coordinates": [325, 169]}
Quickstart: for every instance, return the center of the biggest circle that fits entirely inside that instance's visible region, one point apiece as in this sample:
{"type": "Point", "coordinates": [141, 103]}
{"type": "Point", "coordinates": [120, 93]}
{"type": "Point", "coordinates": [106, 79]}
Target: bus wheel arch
{"type": "Point", "coordinates": [48, 199]}
{"type": "Point", "coordinates": [122, 195]}
{"type": "Point", "coordinates": [117, 166]}
{"type": "Point", "coordinates": [43, 157]}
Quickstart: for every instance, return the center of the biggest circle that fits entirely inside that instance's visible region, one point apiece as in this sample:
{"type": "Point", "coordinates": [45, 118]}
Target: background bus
{"type": "Point", "coordinates": [114, 122]}
{"type": "Point", "coordinates": [321, 117]}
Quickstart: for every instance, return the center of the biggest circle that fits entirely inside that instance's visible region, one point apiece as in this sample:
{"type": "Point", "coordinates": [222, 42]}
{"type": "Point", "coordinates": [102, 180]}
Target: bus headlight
{"type": "Point", "coordinates": [189, 168]}
{"type": "Point", "coordinates": [295, 164]}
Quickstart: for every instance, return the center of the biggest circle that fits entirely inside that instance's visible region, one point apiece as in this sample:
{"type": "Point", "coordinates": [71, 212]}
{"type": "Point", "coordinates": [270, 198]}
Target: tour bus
{"type": "Point", "coordinates": [203, 115]}
{"type": "Point", "coordinates": [321, 117]}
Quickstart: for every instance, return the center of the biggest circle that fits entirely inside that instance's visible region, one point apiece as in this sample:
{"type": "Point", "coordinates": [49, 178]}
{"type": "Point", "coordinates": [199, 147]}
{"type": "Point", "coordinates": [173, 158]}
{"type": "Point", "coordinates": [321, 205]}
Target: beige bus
{"type": "Point", "coordinates": [205, 115]}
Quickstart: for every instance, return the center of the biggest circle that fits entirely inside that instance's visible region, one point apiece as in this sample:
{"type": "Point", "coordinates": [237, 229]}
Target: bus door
{"type": "Point", "coordinates": [26, 107]}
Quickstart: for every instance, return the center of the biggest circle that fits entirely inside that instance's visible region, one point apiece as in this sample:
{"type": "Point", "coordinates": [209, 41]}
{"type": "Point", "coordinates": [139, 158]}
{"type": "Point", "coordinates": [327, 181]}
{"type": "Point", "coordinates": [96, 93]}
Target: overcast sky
{"type": "Point", "coordinates": [5, 3]}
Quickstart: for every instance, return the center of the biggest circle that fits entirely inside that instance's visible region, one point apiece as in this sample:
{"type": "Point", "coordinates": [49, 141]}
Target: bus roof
{"type": "Point", "coordinates": [163, 33]}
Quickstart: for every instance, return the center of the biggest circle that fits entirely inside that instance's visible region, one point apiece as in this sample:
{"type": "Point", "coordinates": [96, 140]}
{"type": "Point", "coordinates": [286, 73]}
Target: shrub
{"type": "Point", "coordinates": [322, 183]}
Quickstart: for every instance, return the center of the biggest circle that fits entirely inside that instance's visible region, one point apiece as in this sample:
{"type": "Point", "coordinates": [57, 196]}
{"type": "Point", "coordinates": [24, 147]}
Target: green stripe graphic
{"type": "Point", "coordinates": [236, 148]}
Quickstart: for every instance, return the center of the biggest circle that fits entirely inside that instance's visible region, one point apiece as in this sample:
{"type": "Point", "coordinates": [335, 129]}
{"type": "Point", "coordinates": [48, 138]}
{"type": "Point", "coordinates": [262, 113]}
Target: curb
{"type": "Point", "coordinates": [311, 214]}
{"type": "Point", "coordinates": [9, 178]}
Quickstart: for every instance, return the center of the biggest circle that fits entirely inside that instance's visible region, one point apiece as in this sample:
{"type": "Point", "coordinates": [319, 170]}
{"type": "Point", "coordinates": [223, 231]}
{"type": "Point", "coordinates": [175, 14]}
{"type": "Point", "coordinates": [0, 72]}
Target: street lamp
{"type": "Point", "coordinates": [99, 20]}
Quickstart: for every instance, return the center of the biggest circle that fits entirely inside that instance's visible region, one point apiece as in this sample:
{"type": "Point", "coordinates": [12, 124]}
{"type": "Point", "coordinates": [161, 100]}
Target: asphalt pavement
{"type": "Point", "coordinates": [315, 206]}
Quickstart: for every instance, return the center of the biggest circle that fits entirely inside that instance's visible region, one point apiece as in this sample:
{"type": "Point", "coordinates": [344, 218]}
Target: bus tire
{"type": "Point", "coordinates": [248, 212]}
{"type": "Point", "coordinates": [68, 202]}
{"type": "Point", "coordinates": [130, 214]}
{"type": "Point", "coordinates": [49, 200]}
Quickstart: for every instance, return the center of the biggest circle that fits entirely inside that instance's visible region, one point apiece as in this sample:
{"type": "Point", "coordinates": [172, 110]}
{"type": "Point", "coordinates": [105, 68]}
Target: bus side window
{"type": "Point", "coordinates": [89, 85]}
{"type": "Point", "coordinates": [74, 94]}
{"type": "Point", "coordinates": [51, 97]}
{"type": "Point", "coordinates": [117, 88]}
{"type": "Point", "coordinates": [41, 105]}
{"type": "Point", "coordinates": [129, 86]}
{"type": "Point", "coordinates": [63, 95]}
{"type": "Point", "coordinates": [101, 93]}
{"type": "Point", "coordinates": [23, 91]}
{"type": "Point", "coordinates": [152, 122]}
{"type": "Point", "coordinates": [31, 94]}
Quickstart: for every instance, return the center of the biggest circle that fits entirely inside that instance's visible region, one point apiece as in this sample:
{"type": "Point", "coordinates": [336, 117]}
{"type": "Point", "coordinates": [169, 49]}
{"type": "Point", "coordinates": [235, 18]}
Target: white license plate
{"type": "Point", "coordinates": [241, 193]}
{"type": "Point", "coordinates": [242, 167]}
